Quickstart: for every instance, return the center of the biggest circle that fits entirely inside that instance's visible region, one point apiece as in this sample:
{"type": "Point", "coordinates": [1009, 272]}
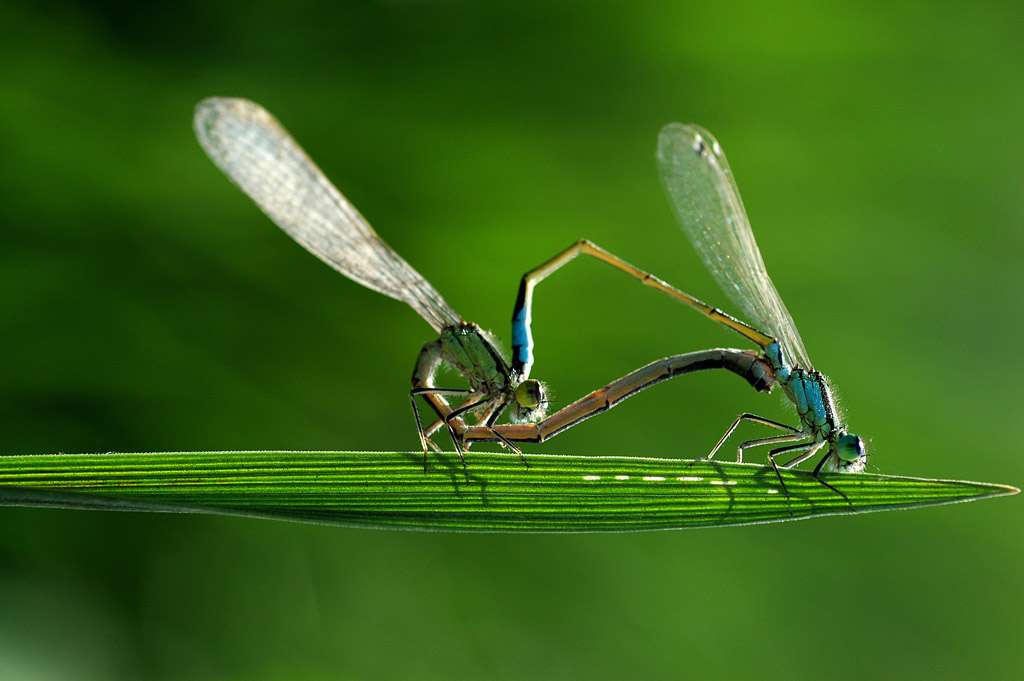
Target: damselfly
{"type": "Point", "coordinates": [705, 199]}
{"type": "Point", "coordinates": [259, 155]}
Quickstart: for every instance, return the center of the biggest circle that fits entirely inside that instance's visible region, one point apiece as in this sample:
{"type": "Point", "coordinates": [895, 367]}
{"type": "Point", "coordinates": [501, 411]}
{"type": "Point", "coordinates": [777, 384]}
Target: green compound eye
{"type": "Point", "coordinates": [850, 448]}
{"type": "Point", "coordinates": [849, 452]}
{"type": "Point", "coordinates": [530, 394]}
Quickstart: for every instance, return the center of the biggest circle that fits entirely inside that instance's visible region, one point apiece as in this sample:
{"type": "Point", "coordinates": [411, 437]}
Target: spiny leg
{"type": "Point", "coordinates": [797, 435]}
{"type": "Point", "coordinates": [754, 418]}
{"type": "Point", "coordinates": [487, 419]}
{"type": "Point", "coordinates": [817, 476]}
{"type": "Point", "coordinates": [419, 431]}
{"type": "Point", "coordinates": [474, 401]}
{"type": "Point", "coordinates": [811, 451]}
{"type": "Point", "coordinates": [800, 458]}
{"type": "Point", "coordinates": [440, 422]}
{"type": "Point", "coordinates": [774, 440]}
{"type": "Point", "coordinates": [812, 447]}
{"type": "Point", "coordinates": [451, 430]}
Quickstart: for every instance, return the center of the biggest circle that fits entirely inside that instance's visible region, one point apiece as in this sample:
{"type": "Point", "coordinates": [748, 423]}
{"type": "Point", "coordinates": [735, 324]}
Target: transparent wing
{"type": "Point", "coordinates": [259, 155]}
{"type": "Point", "coordinates": [706, 201]}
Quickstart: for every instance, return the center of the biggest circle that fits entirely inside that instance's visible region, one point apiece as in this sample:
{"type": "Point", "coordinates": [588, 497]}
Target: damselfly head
{"type": "Point", "coordinates": [531, 402]}
{"type": "Point", "coordinates": [850, 457]}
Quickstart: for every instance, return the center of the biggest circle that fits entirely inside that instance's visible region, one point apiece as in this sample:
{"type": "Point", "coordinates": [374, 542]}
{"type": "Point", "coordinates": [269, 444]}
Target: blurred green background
{"type": "Point", "coordinates": [146, 305]}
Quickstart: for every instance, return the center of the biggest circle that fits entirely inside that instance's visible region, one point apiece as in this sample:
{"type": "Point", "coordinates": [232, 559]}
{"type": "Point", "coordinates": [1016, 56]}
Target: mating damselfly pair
{"type": "Point", "coordinates": [259, 155]}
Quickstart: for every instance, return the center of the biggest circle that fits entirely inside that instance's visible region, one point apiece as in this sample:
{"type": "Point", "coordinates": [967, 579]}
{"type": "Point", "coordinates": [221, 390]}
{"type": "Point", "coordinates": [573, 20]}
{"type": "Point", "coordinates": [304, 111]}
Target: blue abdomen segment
{"type": "Point", "coordinates": [522, 338]}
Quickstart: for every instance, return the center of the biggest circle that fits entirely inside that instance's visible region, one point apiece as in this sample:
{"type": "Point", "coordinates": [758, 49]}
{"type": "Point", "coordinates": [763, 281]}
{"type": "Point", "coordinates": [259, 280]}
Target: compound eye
{"type": "Point", "coordinates": [530, 394]}
{"type": "Point", "coordinates": [850, 448]}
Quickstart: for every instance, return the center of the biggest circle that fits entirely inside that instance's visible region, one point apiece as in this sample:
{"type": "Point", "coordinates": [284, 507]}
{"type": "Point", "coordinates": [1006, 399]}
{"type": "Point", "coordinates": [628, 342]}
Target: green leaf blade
{"type": "Point", "coordinates": [391, 490]}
